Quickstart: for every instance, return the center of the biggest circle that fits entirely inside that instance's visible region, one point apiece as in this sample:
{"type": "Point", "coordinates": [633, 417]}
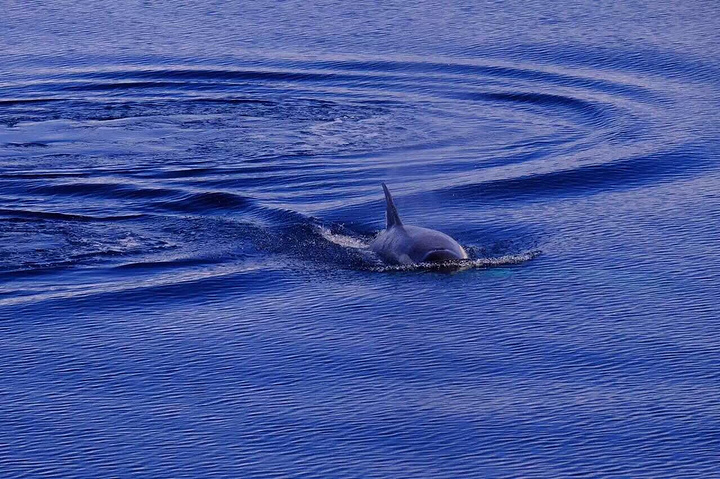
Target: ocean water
{"type": "Point", "coordinates": [188, 189]}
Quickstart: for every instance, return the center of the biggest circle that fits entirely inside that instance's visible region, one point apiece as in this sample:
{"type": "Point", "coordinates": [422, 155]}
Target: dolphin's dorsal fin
{"type": "Point", "coordinates": [391, 214]}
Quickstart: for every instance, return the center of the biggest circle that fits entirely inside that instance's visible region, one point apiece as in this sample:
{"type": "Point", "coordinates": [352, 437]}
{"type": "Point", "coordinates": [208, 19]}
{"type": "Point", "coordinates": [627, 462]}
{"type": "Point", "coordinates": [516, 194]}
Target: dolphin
{"type": "Point", "coordinates": [401, 244]}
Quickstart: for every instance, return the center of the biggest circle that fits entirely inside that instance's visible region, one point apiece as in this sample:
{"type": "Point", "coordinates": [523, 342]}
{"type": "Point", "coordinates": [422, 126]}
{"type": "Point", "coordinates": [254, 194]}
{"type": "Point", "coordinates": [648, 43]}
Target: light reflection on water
{"type": "Point", "coordinates": [186, 196]}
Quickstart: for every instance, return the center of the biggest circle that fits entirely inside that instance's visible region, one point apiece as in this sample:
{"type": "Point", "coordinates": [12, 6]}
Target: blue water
{"type": "Point", "coordinates": [187, 192]}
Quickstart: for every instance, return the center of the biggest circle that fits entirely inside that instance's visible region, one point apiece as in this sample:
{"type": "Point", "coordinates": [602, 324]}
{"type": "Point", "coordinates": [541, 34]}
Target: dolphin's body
{"type": "Point", "coordinates": [400, 244]}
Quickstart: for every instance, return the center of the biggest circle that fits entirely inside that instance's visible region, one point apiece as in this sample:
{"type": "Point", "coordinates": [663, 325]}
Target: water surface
{"type": "Point", "coordinates": [186, 197]}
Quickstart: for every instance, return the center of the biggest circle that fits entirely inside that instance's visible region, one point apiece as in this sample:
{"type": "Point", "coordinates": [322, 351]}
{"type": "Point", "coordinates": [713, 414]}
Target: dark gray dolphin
{"type": "Point", "coordinates": [400, 244]}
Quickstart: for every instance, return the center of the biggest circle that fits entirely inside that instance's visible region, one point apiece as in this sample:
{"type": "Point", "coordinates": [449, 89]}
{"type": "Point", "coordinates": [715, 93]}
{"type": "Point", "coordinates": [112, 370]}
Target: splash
{"type": "Point", "coordinates": [462, 265]}
{"type": "Point", "coordinates": [346, 241]}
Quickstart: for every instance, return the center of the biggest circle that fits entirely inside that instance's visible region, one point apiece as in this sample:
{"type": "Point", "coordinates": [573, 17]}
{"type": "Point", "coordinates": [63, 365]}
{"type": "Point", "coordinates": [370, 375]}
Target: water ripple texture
{"type": "Point", "coordinates": [187, 196]}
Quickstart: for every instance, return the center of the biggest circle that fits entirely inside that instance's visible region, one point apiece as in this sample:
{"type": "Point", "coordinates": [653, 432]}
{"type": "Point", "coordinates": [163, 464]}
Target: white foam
{"type": "Point", "coordinates": [459, 265]}
{"type": "Point", "coordinates": [342, 240]}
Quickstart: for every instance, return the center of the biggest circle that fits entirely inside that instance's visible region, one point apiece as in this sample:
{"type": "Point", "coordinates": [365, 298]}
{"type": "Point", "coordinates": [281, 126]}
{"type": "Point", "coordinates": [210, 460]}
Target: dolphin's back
{"type": "Point", "coordinates": [402, 244]}
{"type": "Point", "coordinates": [428, 245]}
{"type": "Point", "coordinates": [413, 244]}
